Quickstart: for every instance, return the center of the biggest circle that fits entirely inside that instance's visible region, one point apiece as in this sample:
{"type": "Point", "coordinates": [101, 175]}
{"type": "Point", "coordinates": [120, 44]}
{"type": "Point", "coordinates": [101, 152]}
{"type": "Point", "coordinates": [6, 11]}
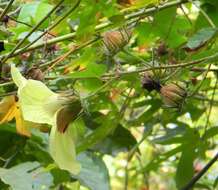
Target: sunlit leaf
{"type": "Point", "coordinates": [28, 175]}
{"type": "Point", "coordinates": [94, 173]}
{"type": "Point", "coordinates": [200, 39]}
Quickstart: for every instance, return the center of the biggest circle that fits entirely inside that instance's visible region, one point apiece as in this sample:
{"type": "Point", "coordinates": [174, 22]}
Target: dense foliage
{"type": "Point", "coordinates": [108, 94]}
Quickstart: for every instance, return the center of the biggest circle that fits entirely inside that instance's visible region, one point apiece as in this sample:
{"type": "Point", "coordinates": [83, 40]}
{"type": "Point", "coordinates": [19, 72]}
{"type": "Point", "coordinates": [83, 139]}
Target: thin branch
{"type": "Point", "coordinates": [6, 9]}
{"type": "Point", "coordinates": [140, 70]}
{"type": "Point", "coordinates": [126, 179]}
{"type": "Point", "coordinates": [55, 24]}
{"type": "Point", "coordinates": [211, 104]}
{"type": "Point", "coordinates": [202, 60]}
{"type": "Point", "coordinates": [98, 27]}
{"type": "Point", "coordinates": [187, 17]}
{"type": "Point", "coordinates": [54, 62]}
{"type": "Point", "coordinates": [205, 15]}
{"type": "Point", "coordinates": [197, 69]}
{"type": "Point", "coordinates": [201, 83]}
{"type": "Point", "coordinates": [26, 24]}
{"type": "Point", "coordinates": [200, 174]}
{"type": "Point", "coordinates": [30, 33]}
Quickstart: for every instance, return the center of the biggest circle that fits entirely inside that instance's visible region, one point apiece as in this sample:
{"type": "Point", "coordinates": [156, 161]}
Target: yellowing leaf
{"type": "Point", "coordinates": [62, 149]}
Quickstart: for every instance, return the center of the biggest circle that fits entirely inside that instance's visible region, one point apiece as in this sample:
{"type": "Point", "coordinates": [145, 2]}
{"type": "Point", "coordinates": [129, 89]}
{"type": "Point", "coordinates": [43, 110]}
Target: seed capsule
{"type": "Point", "coordinates": [173, 95]}
{"type": "Point", "coordinates": [116, 40]}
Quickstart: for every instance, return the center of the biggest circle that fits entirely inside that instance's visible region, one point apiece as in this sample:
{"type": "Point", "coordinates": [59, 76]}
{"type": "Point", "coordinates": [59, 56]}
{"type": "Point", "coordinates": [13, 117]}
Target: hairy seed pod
{"type": "Point", "coordinates": [116, 40]}
{"type": "Point", "coordinates": [149, 83]}
{"type": "Point", "coordinates": [173, 95]}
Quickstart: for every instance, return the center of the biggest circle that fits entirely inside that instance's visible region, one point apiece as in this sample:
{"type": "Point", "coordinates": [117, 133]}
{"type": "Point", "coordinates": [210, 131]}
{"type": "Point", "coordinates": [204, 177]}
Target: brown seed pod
{"type": "Point", "coordinates": [35, 73]}
{"type": "Point", "coordinates": [173, 95]}
{"type": "Point", "coordinates": [116, 40]}
{"type": "Point", "coordinates": [149, 83]}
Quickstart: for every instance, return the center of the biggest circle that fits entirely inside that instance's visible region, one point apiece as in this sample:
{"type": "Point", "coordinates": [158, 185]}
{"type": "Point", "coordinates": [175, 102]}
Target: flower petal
{"type": "Point", "coordinates": [18, 79]}
{"type": "Point", "coordinates": [62, 149]}
{"type": "Point", "coordinates": [38, 103]}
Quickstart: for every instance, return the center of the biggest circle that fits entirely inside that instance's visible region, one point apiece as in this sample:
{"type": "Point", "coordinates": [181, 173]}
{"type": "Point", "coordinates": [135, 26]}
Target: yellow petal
{"type": "Point", "coordinates": [21, 125]}
{"type": "Point", "coordinates": [8, 109]}
{"type": "Point", "coordinates": [38, 103]}
{"type": "Point", "coordinates": [62, 149]}
{"type": "Point", "coordinates": [18, 79]}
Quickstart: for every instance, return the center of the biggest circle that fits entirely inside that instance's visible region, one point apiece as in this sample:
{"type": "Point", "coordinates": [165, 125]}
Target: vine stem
{"type": "Point", "coordinates": [6, 9]}
{"type": "Point", "coordinates": [140, 13]}
{"type": "Point", "coordinates": [201, 173]}
{"type": "Point", "coordinates": [205, 15]}
{"type": "Point", "coordinates": [211, 104]}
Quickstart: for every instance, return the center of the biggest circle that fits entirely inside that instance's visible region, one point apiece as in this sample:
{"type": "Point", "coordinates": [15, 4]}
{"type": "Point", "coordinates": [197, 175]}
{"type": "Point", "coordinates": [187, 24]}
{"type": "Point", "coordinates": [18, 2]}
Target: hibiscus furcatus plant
{"type": "Point", "coordinates": [41, 105]}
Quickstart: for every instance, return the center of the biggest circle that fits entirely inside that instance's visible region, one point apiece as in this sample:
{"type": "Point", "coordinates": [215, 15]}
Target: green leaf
{"type": "Point", "coordinates": [94, 173]}
{"type": "Point", "coordinates": [185, 169]}
{"type": "Point", "coordinates": [117, 20]}
{"type": "Point", "coordinates": [28, 175]}
{"type": "Point", "coordinates": [33, 12]}
{"type": "Point", "coordinates": [213, 131]}
{"type": "Point", "coordinates": [93, 70]}
{"type": "Point", "coordinates": [110, 123]}
{"type": "Point", "coordinates": [173, 136]}
{"type": "Point", "coordinates": [120, 141]}
{"type": "Point", "coordinates": [201, 38]}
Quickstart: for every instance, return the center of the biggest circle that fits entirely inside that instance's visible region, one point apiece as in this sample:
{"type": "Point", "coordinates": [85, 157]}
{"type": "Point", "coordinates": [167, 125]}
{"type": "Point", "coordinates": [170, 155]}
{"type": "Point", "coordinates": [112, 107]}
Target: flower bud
{"type": "Point", "coordinates": [173, 95]}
